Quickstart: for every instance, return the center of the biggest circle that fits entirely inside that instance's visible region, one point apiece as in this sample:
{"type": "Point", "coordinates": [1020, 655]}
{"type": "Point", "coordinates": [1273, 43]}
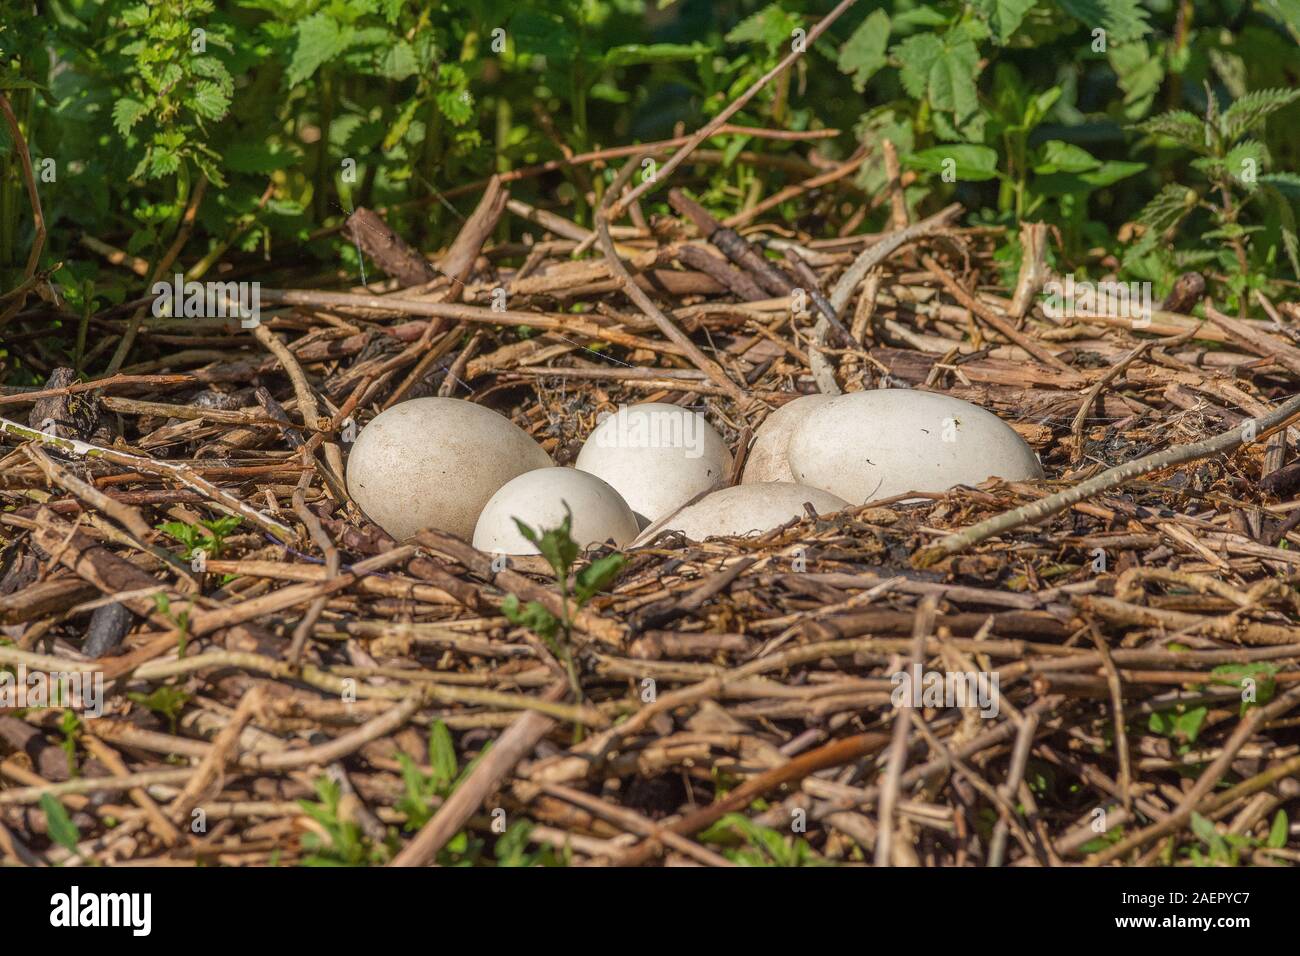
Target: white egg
{"type": "Point", "coordinates": [767, 459]}
{"type": "Point", "coordinates": [657, 456]}
{"type": "Point", "coordinates": [876, 444]}
{"type": "Point", "coordinates": [434, 463]}
{"type": "Point", "coordinates": [537, 498]}
{"type": "Point", "coordinates": [749, 509]}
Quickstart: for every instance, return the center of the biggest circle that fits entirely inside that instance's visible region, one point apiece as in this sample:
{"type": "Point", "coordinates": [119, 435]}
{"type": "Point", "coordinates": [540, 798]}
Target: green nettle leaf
{"type": "Point", "coordinates": [59, 825]}
{"type": "Point", "coordinates": [163, 162]}
{"type": "Point", "coordinates": [1003, 16]}
{"type": "Point", "coordinates": [172, 74]}
{"type": "Point", "coordinates": [971, 130]}
{"type": "Point", "coordinates": [1231, 231]}
{"type": "Point", "coordinates": [1251, 110]}
{"type": "Point", "coordinates": [864, 52]}
{"type": "Point", "coordinates": [1241, 164]}
{"type": "Point", "coordinates": [1168, 208]}
{"type": "Point", "coordinates": [413, 803]}
{"type": "Point", "coordinates": [1183, 127]}
{"type": "Point", "coordinates": [1140, 72]}
{"type": "Point", "coordinates": [972, 163]}
{"type": "Point", "coordinates": [456, 105]}
{"type": "Point", "coordinates": [126, 113]}
{"type": "Point", "coordinates": [916, 55]}
{"type": "Point", "coordinates": [213, 69]}
{"type": "Point", "coordinates": [1123, 20]}
{"type": "Point", "coordinates": [136, 16]}
{"type": "Point", "coordinates": [952, 80]}
{"type": "Point", "coordinates": [223, 526]}
{"type": "Point", "coordinates": [771, 26]}
{"type": "Point", "coordinates": [1231, 69]}
{"type": "Point", "coordinates": [166, 701]}
{"type": "Point", "coordinates": [943, 71]}
{"type": "Point", "coordinates": [765, 846]}
{"type": "Point", "coordinates": [871, 131]}
{"type": "Point", "coordinates": [399, 61]}
{"type": "Point", "coordinates": [320, 39]}
{"type": "Point", "coordinates": [1245, 161]}
{"type": "Point", "coordinates": [210, 101]}
{"type": "Point", "coordinates": [1161, 723]}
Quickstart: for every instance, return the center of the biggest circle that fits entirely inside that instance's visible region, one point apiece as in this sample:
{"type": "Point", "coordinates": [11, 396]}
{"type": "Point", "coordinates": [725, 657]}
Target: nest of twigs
{"type": "Point", "coordinates": [313, 691]}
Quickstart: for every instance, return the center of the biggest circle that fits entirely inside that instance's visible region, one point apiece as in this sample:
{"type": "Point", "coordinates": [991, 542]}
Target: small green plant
{"type": "Point", "coordinates": [444, 776]}
{"type": "Point", "coordinates": [561, 553]}
{"type": "Point", "coordinates": [59, 825]}
{"type": "Point", "coordinates": [208, 535]}
{"type": "Point", "coordinates": [1232, 164]}
{"type": "Point", "coordinates": [512, 848]}
{"type": "Point", "coordinates": [423, 788]}
{"type": "Point", "coordinates": [176, 91]}
{"type": "Point", "coordinates": [763, 846]}
{"type": "Point", "coordinates": [1224, 849]}
{"type": "Point", "coordinates": [345, 844]}
{"type": "Point", "coordinates": [1101, 842]}
{"type": "Point", "coordinates": [166, 702]}
{"type": "Point", "coordinates": [1182, 724]}
{"type": "Point", "coordinates": [179, 619]}
{"type": "Point", "coordinates": [1260, 678]}
{"type": "Point", "coordinates": [71, 727]}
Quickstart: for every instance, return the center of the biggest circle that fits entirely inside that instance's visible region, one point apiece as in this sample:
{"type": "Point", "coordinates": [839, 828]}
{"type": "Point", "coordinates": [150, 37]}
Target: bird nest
{"type": "Point", "coordinates": [1097, 667]}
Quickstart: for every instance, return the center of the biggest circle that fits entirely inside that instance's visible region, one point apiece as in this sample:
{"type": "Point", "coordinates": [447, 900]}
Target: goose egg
{"type": "Point", "coordinates": [537, 498]}
{"type": "Point", "coordinates": [879, 443]}
{"type": "Point", "coordinates": [434, 463]}
{"type": "Point", "coordinates": [767, 459]}
{"type": "Point", "coordinates": [656, 456]}
{"type": "Point", "coordinates": [746, 509]}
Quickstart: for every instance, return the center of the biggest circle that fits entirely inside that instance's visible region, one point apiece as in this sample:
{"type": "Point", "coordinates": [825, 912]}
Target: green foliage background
{"type": "Point", "coordinates": [271, 99]}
